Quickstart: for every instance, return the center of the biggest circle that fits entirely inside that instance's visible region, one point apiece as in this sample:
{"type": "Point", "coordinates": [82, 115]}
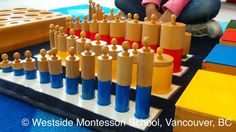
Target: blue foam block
{"type": "Point", "coordinates": [143, 101]}
{"type": "Point", "coordinates": [122, 98]}
{"type": "Point", "coordinates": [222, 54]}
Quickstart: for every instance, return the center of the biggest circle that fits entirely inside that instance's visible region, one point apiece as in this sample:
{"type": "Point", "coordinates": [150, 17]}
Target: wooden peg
{"type": "Point", "coordinates": [134, 53]}
{"type": "Point", "coordinates": [93, 27]}
{"type": "Point", "coordinates": [71, 24]}
{"type": "Point", "coordinates": [62, 48]}
{"type": "Point", "coordinates": [111, 15]}
{"type": "Point", "coordinates": [85, 26]}
{"type": "Point", "coordinates": [29, 66]}
{"type": "Point", "coordinates": [17, 65]}
{"type": "Point", "coordinates": [117, 30]}
{"type": "Point", "coordinates": [104, 65]}
{"type": "Point", "coordinates": [146, 42]}
{"type": "Point", "coordinates": [67, 21]}
{"type": "Point", "coordinates": [5, 62]}
{"type": "Point", "coordinates": [173, 19]}
{"type": "Point", "coordinates": [97, 44]}
{"type": "Point", "coordinates": [77, 26]}
{"type": "Point", "coordinates": [54, 63]}
{"type": "Point", "coordinates": [103, 29]}
{"type": "Point", "coordinates": [162, 73]}
{"type": "Point", "coordinates": [43, 67]}
{"type": "Point", "coordinates": [72, 64]}
{"type": "Point", "coordinates": [136, 17]}
{"type": "Point", "coordinates": [51, 35]}
{"type": "Point", "coordinates": [56, 33]}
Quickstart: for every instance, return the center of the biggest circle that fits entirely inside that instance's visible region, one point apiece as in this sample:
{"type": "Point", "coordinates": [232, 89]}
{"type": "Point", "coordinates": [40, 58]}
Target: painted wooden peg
{"type": "Point", "coordinates": [93, 27]}
{"type": "Point", "coordinates": [124, 78]}
{"type": "Point", "coordinates": [51, 35]}
{"type": "Point", "coordinates": [114, 49]}
{"type": "Point", "coordinates": [29, 65]}
{"type": "Point", "coordinates": [133, 31]}
{"type": "Point", "coordinates": [104, 77]}
{"type": "Point", "coordinates": [72, 72]}
{"type": "Point", "coordinates": [103, 29]}
{"type": "Point", "coordinates": [61, 39]}
{"type": "Point", "coordinates": [71, 40]}
{"type": "Point", "coordinates": [17, 65]}
{"type": "Point", "coordinates": [134, 53]}
{"type": "Point", "coordinates": [96, 48]}
{"type": "Point", "coordinates": [117, 30]}
{"type": "Point", "coordinates": [43, 67]}
{"type": "Point", "coordinates": [152, 30]}
{"type": "Point", "coordinates": [81, 42]}
{"type": "Point", "coordinates": [144, 80]}
{"type": "Point", "coordinates": [172, 41]}
{"type": "Point", "coordinates": [56, 33]}
{"type": "Point", "coordinates": [77, 26]}
{"type": "Point", "coordinates": [187, 44]}
{"type": "Point", "coordinates": [55, 69]}
{"type": "Point", "coordinates": [85, 27]}
{"type": "Point", "coordinates": [88, 72]}
{"type": "Point", "coordinates": [162, 73]}
{"type": "Point", "coordinates": [67, 25]}
{"type": "Point", "coordinates": [6, 65]}
{"type": "Point", "coordinates": [129, 15]}
{"type": "Point", "coordinates": [111, 16]}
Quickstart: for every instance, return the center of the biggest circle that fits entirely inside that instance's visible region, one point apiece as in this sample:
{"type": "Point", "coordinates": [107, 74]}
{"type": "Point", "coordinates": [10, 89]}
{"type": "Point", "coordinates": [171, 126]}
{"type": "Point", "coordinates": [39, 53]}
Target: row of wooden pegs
{"type": "Point", "coordinates": [49, 65]}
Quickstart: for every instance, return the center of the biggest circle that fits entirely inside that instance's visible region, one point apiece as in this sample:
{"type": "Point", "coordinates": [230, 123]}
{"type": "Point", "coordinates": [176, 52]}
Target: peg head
{"type": "Point", "coordinates": [57, 27]}
{"type": "Point", "coordinates": [4, 57]}
{"type": "Point", "coordinates": [125, 45]}
{"type": "Point", "coordinates": [77, 18]}
{"type": "Point", "coordinates": [173, 19]}
{"type": "Point", "coordinates": [72, 32]}
{"type": "Point", "coordinates": [16, 55]}
{"type": "Point", "coordinates": [88, 46]}
{"type": "Point", "coordinates": [159, 52]}
{"type": "Point", "coordinates": [83, 34]}
{"type": "Point", "coordinates": [28, 54]}
{"type": "Point", "coordinates": [105, 50]}
{"type": "Point", "coordinates": [136, 17]}
{"type": "Point", "coordinates": [94, 16]}
{"type": "Point", "coordinates": [43, 52]}
{"type": "Point", "coordinates": [67, 19]}
{"type": "Point", "coordinates": [54, 52]}
{"type": "Point", "coordinates": [72, 51]}
{"type": "Point", "coordinates": [104, 18]}
{"type": "Point", "coordinates": [153, 18]}
{"type": "Point", "coordinates": [146, 42]}
{"type": "Point", "coordinates": [98, 37]}
{"type": "Point", "coordinates": [61, 29]}
{"type": "Point", "coordinates": [51, 26]}
{"type": "Point", "coordinates": [145, 19]}
{"type": "Point", "coordinates": [135, 46]}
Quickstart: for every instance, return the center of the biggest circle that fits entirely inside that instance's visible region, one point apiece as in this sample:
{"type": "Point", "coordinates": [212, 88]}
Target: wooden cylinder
{"type": "Point", "coordinates": [77, 26]}
{"type": "Point", "coordinates": [88, 63]}
{"type": "Point", "coordinates": [162, 73]}
{"type": "Point", "coordinates": [152, 30]}
{"type": "Point", "coordinates": [29, 63]}
{"type": "Point", "coordinates": [97, 45]}
{"type": "Point", "coordinates": [133, 30]}
{"type": "Point", "coordinates": [5, 62]}
{"type": "Point", "coordinates": [145, 65]}
{"type": "Point", "coordinates": [72, 64]}
{"type": "Point", "coordinates": [117, 30]}
{"type": "Point", "coordinates": [42, 61]}
{"type": "Point", "coordinates": [104, 65]}
{"type": "Point", "coordinates": [85, 26]}
{"type": "Point", "coordinates": [172, 35]}
{"type": "Point", "coordinates": [134, 53]}
{"type": "Point", "coordinates": [103, 29]}
{"type": "Point", "coordinates": [187, 43]}
{"type": "Point", "coordinates": [54, 63]}
{"type": "Point", "coordinates": [61, 39]}
{"type": "Point", "coordinates": [93, 27]}
{"type": "Point", "coordinates": [124, 66]}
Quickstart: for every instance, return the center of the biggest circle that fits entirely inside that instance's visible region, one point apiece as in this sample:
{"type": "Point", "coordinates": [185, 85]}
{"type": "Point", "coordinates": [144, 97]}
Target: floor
{"type": "Point", "coordinates": [226, 13]}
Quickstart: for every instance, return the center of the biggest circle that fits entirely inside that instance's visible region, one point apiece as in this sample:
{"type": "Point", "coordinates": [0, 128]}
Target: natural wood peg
{"type": "Point", "coordinates": [173, 19]}
{"type": "Point", "coordinates": [135, 48]}
{"type": "Point", "coordinates": [105, 51]}
{"type": "Point", "coordinates": [54, 53]}
{"type": "Point", "coordinates": [72, 52]}
{"type": "Point", "coordinates": [114, 43]}
{"type": "Point", "coordinates": [51, 26]}
{"type": "Point", "coordinates": [4, 58]}
{"type": "Point", "coordinates": [153, 18]}
{"type": "Point", "coordinates": [136, 17]}
{"type": "Point", "coordinates": [43, 53]}
{"type": "Point", "coordinates": [98, 37]}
